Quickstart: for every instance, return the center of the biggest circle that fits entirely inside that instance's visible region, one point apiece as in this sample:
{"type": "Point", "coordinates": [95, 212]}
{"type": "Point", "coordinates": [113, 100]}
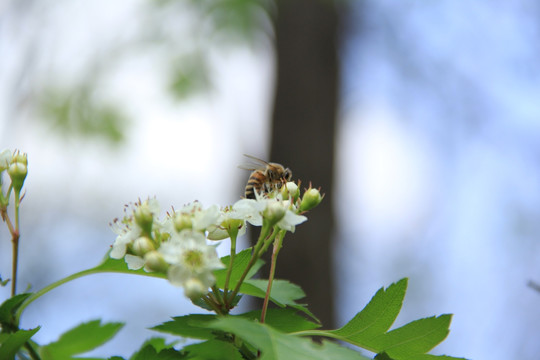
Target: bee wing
{"type": "Point", "coordinates": [254, 163]}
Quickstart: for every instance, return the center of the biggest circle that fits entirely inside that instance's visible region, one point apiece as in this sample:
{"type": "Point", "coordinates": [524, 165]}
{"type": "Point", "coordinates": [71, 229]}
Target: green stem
{"type": "Point", "coordinates": [265, 232]}
{"type": "Point", "coordinates": [33, 354]}
{"type": "Point", "coordinates": [231, 263]}
{"type": "Point", "coordinates": [268, 241]}
{"type": "Point", "coordinates": [212, 304]}
{"type": "Point", "coordinates": [15, 235]}
{"type": "Point", "coordinates": [277, 246]}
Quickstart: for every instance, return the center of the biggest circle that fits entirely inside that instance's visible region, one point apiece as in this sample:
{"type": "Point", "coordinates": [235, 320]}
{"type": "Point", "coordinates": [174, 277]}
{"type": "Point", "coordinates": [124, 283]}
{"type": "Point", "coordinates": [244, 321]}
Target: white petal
{"type": "Point", "coordinates": [134, 262]}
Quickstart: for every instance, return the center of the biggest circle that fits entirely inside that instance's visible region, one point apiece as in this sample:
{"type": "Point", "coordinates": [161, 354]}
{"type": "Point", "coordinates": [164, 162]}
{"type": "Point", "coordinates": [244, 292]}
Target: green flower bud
{"type": "Point", "coordinates": [290, 190]}
{"type": "Point", "coordinates": [153, 261]}
{"type": "Point", "coordinates": [19, 157]}
{"type": "Point", "coordinates": [144, 217]}
{"type": "Point", "coordinates": [17, 172]}
{"type": "Point", "coordinates": [312, 197]}
{"type": "Point", "coordinates": [194, 288]}
{"type": "Point", "coordinates": [182, 221]}
{"type": "Point", "coordinates": [142, 245]}
{"type": "Point", "coordinates": [274, 212]}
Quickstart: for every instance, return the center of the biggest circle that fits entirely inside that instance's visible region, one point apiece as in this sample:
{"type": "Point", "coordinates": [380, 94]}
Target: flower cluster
{"type": "Point", "coordinates": [178, 246]}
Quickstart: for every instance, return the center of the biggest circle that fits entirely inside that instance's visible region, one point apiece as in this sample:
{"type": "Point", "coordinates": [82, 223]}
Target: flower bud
{"type": "Point", "coordinates": [274, 212]}
{"type": "Point", "coordinates": [142, 245]}
{"type": "Point", "coordinates": [182, 221]}
{"type": "Point", "coordinates": [290, 190]}
{"type": "Point", "coordinates": [194, 288]}
{"type": "Point", "coordinates": [153, 261]}
{"type": "Point", "coordinates": [19, 157]}
{"type": "Point", "coordinates": [17, 172]}
{"type": "Point", "coordinates": [312, 197]}
{"type": "Point", "coordinates": [144, 217]}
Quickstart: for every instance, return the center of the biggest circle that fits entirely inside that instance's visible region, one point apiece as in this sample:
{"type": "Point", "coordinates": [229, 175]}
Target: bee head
{"type": "Point", "coordinates": [287, 174]}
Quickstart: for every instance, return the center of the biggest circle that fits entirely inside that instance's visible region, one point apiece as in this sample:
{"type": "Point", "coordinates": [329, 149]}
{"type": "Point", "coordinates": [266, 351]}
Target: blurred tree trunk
{"type": "Point", "coordinates": [304, 118]}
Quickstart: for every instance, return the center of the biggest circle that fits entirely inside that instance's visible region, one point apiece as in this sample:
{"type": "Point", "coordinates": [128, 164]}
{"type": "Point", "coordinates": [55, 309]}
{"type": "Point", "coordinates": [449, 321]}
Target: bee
{"type": "Point", "coordinates": [265, 177]}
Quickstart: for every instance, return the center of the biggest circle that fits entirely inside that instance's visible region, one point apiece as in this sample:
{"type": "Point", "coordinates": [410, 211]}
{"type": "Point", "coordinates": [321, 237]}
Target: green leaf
{"type": "Point", "coordinates": [377, 317]}
{"type": "Point", "coordinates": [276, 345]}
{"type": "Point", "coordinates": [11, 344]}
{"type": "Point", "coordinates": [8, 309]}
{"type": "Point", "coordinates": [284, 293]}
{"type": "Point", "coordinates": [81, 339]}
{"type": "Point", "coordinates": [197, 326]}
{"type": "Point", "coordinates": [214, 350]}
{"type": "Point", "coordinates": [417, 337]}
{"type": "Point", "coordinates": [368, 329]}
{"type": "Point", "coordinates": [283, 319]}
{"type": "Point", "coordinates": [153, 345]}
{"type": "Point", "coordinates": [191, 326]}
{"type": "Point", "coordinates": [149, 352]}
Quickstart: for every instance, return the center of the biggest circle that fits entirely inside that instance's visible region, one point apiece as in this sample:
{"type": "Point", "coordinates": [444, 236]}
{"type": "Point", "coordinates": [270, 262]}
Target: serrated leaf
{"type": "Point", "coordinates": [214, 350]}
{"type": "Point", "coordinates": [8, 309]}
{"type": "Point", "coordinates": [191, 326]}
{"type": "Point", "coordinates": [241, 261]}
{"type": "Point", "coordinates": [283, 319]}
{"type": "Point", "coordinates": [13, 342]}
{"type": "Point", "coordinates": [81, 339]}
{"type": "Point", "coordinates": [149, 352]}
{"type": "Point", "coordinates": [156, 343]}
{"type": "Point", "coordinates": [276, 345]}
{"type": "Point", "coordinates": [377, 317]}
{"type": "Point", "coordinates": [284, 293]}
{"type": "Point", "coordinates": [417, 337]}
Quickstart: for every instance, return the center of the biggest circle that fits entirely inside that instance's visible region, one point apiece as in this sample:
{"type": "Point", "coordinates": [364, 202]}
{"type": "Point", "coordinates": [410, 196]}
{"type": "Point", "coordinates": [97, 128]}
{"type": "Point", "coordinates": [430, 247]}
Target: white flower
{"type": "Point", "coordinates": [249, 210]}
{"type": "Point", "coordinates": [253, 211]}
{"type": "Point", "coordinates": [230, 221]}
{"type": "Point", "coordinates": [127, 232]}
{"type": "Point", "coordinates": [193, 216]}
{"type": "Point", "coordinates": [290, 220]}
{"type": "Point", "coordinates": [190, 258]}
{"type": "Point", "coordinates": [129, 229]}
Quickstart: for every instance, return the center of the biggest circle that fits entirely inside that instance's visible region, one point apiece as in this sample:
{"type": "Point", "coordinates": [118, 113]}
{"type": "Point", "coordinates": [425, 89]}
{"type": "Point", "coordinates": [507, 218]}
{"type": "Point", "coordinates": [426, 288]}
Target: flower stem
{"type": "Point", "coordinates": [231, 263]}
{"type": "Point", "coordinates": [277, 246]}
{"type": "Point", "coordinates": [265, 233]}
{"type": "Point", "coordinates": [15, 235]}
